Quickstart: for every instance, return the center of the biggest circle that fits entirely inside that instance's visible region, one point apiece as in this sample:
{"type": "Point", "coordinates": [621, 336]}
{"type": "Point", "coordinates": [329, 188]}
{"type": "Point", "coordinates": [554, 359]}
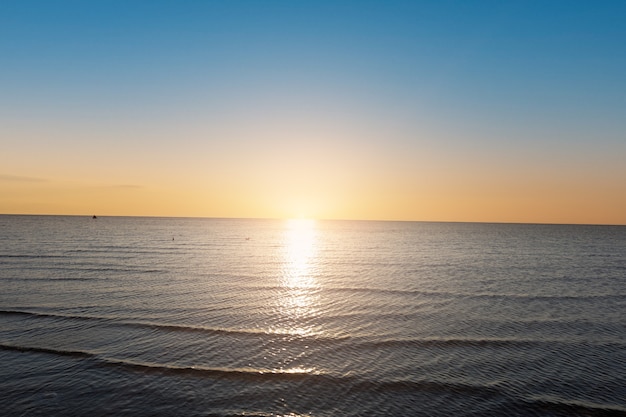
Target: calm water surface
{"type": "Point", "coordinates": [215, 317]}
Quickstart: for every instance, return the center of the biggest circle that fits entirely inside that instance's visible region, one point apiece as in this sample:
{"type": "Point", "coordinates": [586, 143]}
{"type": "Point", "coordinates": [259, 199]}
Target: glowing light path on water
{"type": "Point", "coordinates": [298, 275]}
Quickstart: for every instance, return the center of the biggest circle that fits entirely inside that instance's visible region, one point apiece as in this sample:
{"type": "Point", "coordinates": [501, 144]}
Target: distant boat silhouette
{"type": "Point", "coordinates": [94, 217]}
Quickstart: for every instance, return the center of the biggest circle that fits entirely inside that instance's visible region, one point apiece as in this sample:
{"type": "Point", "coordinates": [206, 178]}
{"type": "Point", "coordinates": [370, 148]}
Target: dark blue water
{"type": "Point", "coordinates": [210, 317]}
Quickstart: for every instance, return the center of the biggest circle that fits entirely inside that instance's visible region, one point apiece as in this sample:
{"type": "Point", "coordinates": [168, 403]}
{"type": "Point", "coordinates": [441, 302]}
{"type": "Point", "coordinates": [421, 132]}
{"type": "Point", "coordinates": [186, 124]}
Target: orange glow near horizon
{"type": "Point", "coordinates": [412, 201]}
{"type": "Point", "coordinates": [327, 177]}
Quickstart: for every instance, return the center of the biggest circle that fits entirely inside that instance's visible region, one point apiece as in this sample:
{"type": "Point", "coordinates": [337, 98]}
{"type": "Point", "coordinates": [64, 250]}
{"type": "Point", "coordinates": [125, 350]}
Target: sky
{"type": "Point", "coordinates": [486, 111]}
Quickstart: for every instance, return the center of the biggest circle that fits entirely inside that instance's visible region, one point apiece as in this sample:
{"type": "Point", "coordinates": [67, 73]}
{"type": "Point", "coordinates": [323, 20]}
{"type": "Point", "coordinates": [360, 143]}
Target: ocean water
{"type": "Point", "coordinates": [219, 317]}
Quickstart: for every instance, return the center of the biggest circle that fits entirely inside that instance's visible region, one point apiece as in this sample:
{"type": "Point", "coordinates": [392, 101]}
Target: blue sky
{"type": "Point", "coordinates": [398, 82]}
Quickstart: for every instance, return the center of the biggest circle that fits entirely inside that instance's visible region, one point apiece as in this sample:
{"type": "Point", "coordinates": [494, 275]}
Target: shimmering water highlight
{"type": "Point", "coordinates": [219, 317]}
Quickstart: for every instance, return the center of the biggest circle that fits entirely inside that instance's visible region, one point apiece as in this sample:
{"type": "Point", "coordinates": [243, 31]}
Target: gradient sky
{"type": "Point", "coordinates": [497, 111]}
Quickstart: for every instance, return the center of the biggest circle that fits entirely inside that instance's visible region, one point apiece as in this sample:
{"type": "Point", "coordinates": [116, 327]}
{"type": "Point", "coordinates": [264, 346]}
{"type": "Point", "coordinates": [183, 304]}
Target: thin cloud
{"type": "Point", "coordinates": [127, 186]}
{"type": "Point", "coordinates": [114, 186]}
{"type": "Point", "coordinates": [20, 178]}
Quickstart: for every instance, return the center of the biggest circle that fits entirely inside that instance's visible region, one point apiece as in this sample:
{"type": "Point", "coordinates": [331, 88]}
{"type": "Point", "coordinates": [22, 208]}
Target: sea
{"type": "Point", "coordinates": [139, 316]}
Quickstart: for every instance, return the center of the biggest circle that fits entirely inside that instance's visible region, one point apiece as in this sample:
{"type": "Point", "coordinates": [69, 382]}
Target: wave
{"type": "Point", "coordinates": [450, 294]}
{"type": "Point", "coordinates": [246, 374]}
{"type": "Point", "coordinates": [25, 256]}
{"type": "Point", "coordinates": [231, 373]}
{"type": "Point", "coordinates": [52, 280]}
{"type": "Point", "coordinates": [357, 383]}
{"type": "Point", "coordinates": [77, 268]}
{"type": "Point", "coordinates": [213, 330]}
{"type": "Point", "coordinates": [52, 315]}
{"type": "Point", "coordinates": [247, 413]}
{"type": "Point", "coordinates": [353, 382]}
{"type": "Point", "coordinates": [576, 408]}
{"type": "Point", "coordinates": [488, 342]}
{"type": "Point", "coordinates": [174, 327]}
{"type": "Point", "coordinates": [62, 352]}
{"type": "Point", "coordinates": [340, 341]}
{"type": "Point", "coordinates": [46, 279]}
{"type": "Point", "coordinates": [451, 342]}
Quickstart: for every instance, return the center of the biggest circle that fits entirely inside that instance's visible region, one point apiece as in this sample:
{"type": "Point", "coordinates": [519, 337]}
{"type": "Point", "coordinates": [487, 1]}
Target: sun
{"type": "Point", "coordinates": [301, 226]}
{"type": "Point", "coordinates": [301, 208]}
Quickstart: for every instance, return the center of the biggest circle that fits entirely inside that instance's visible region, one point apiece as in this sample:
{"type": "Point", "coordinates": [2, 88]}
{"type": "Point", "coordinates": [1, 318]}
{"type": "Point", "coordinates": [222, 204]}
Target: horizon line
{"type": "Point", "coordinates": [316, 219]}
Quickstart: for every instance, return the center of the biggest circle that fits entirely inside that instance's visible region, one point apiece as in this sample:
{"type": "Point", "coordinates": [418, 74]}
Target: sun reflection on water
{"type": "Point", "coordinates": [296, 302]}
{"type": "Point", "coordinates": [299, 253]}
{"type": "Point", "coordinates": [298, 279]}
